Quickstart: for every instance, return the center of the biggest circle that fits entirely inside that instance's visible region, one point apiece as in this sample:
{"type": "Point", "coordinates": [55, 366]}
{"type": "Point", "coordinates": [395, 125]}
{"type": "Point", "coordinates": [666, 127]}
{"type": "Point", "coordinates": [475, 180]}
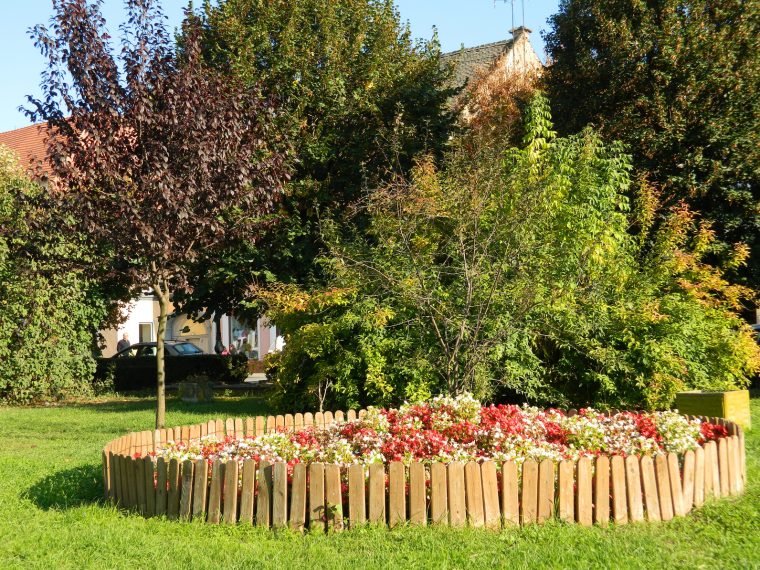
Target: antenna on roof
{"type": "Point", "coordinates": [512, 2]}
{"type": "Point", "coordinates": [514, 30]}
{"type": "Point", "coordinates": [523, 25]}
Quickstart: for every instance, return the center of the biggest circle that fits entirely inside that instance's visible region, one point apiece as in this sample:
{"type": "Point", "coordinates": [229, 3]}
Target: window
{"type": "Point", "coordinates": [130, 352]}
{"type": "Point", "coordinates": [146, 332]}
{"type": "Point", "coordinates": [147, 351]}
{"type": "Point", "coordinates": [187, 348]}
{"type": "Point", "coordinates": [244, 338]}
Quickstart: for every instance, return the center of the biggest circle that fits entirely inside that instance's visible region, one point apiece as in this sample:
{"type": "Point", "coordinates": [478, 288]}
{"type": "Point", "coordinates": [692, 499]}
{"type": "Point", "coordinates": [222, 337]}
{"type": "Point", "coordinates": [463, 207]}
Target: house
{"type": "Point", "coordinates": [141, 323]}
{"type": "Point", "coordinates": [505, 56]}
{"type": "Point", "coordinates": [140, 316]}
{"type": "Point", "coordinates": [29, 145]}
{"type": "Point", "coordinates": [483, 71]}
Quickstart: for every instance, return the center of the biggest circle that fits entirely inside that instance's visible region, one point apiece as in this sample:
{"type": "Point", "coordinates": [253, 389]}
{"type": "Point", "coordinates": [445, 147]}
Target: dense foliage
{"type": "Point", "coordinates": [491, 105]}
{"type": "Point", "coordinates": [360, 97]}
{"type": "Point", "coordinates": [679, 83]}
{"type": "Point", "coordinates": [513, 271]}
{"type": "Point", "coordinates": [48, 317]}
{"type": "Point", "coordinates": [157, 159]}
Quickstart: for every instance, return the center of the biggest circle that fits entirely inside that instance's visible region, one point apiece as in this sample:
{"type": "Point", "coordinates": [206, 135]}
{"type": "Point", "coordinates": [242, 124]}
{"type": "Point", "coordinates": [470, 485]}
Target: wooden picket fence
{"type": "Point", "coordinates": [587, 491]}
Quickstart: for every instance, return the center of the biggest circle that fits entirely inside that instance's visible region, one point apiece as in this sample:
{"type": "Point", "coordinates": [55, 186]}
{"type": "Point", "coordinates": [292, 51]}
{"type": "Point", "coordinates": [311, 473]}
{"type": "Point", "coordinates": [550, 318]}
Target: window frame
{"type": "Point", "coordinates": [140, 331]}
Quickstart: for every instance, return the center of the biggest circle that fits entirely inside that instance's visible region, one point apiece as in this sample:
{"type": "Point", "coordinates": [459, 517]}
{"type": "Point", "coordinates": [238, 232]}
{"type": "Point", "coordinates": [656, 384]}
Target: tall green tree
{"type": "Point", "coordinates": [360, 99]}
{"type": "Point", "coordinates": [678, 82]}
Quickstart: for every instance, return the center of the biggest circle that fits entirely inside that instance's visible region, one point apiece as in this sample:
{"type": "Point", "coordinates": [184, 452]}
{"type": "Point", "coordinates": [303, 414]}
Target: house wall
{"type": "Point", "coordinates": [522, 57]}
{"type": "Point", "coordinates": [520, 60]}
{"type": "Point", "coordinates": [264, 340]}
{"type": "Point", "coordinates": [146, 310]}
{"type": "Point", "coordinates": [183, 328]}
{"type": "Point", "coordinates": [141, 310]}
{"type": "Point", "coordinates": [517, 62]}
{"type": "Point", "coordinates": [110, 338]}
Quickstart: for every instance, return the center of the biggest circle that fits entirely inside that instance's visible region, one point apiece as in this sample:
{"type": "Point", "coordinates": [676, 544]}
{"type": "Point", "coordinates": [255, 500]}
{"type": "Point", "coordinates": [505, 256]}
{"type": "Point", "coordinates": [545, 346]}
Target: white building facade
{"type": "Point", "coordinates": [140, 323]}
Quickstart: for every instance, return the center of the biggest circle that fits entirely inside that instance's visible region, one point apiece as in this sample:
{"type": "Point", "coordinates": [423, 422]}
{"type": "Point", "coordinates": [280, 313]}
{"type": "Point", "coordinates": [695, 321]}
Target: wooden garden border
{"type": "Point", "coordinates": [587, 491]}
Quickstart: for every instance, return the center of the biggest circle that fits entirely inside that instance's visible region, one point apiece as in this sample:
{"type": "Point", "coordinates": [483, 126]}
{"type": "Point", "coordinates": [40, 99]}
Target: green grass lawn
{"type": "Point", "coordinates": [51, 515]}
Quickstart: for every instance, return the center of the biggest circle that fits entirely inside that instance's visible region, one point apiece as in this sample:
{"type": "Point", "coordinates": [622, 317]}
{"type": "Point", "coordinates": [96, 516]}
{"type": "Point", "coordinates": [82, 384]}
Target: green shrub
{"type": "Point", "coordinates": [236, 368]}
{"type": "Point", "coordinates": [47, 316]}
{"type": "Point", "coordinates": [522, 272]}
{"type": "Point", "coordinates": [340, 352]}
{"type": "Point", "coordinates": [104, 378]}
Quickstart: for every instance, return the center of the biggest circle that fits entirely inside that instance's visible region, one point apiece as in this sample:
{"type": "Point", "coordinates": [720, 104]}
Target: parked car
{"type": "Point", "coordinates": [135, 367]}
{"type": "Point", "coordinates": [172, 347]}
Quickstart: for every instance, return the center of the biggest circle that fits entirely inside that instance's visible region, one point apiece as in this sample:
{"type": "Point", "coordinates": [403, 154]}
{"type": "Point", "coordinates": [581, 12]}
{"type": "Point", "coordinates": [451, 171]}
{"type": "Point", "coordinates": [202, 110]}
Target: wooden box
{"type": "Point", "coordinates": [255, 366]}
{"type": "Point", "coordinates": [732, 405]}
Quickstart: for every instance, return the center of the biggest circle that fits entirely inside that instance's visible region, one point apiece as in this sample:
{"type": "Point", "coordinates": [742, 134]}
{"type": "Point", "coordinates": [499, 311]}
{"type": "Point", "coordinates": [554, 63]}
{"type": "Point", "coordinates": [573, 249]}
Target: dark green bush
{"type": "Point", "coordinates": [140, 372]}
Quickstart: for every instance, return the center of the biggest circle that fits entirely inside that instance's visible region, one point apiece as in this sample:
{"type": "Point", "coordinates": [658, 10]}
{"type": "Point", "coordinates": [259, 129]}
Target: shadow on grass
{"type": "Point", "coordinates": [234, 405]}
{"type": "Point", "coordinates": [67, 489]}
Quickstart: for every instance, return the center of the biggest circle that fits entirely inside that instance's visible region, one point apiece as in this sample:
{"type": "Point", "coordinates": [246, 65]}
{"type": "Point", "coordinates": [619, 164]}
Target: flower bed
{"type": "Point", "coordinates": [449, 461]}
{"type": "Point", "coordinates": [459, 429]}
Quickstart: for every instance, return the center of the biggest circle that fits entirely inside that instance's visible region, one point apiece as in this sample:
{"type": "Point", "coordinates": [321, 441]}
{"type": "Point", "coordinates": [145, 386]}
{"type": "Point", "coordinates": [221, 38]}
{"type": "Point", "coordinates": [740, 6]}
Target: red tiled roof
{"type": "Point", "coordinates": [28, 143]}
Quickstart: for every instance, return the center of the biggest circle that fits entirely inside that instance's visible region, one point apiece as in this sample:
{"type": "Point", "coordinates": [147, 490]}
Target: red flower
{"type": "Point", "coordinates": [509, 419]}
{"type": "Point", "coordinates": [463, 432]}
{"type": "Point", "coordinates": [555, 433]}
{"type": "Point", "coordinates": [306, 437]}
{"type": "Point", "coordinates": [645, 426]}
{"type": "Point", "coordinates": [712, 432]}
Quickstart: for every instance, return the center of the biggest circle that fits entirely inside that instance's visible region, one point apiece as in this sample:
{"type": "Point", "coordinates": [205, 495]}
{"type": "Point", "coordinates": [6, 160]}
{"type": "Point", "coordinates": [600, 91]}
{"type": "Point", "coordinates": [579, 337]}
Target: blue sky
{"type": "Point", "coordinates": [468, 22]}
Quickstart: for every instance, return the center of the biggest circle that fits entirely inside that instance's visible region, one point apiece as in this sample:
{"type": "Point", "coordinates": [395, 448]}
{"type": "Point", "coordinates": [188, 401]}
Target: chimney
{"type": "Point", "coordinates": [520, 31]}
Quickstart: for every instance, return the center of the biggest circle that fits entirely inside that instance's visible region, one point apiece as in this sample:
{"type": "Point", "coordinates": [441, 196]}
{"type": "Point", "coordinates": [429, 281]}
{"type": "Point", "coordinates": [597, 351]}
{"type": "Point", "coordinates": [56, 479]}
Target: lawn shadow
{"type": "Point", "coordinates": [67, 489]}
{"type": "Point", "coordinates": [236, 405]}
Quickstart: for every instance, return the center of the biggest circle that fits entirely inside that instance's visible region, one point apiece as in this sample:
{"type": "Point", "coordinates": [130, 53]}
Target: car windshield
{"type": "Point", "coordinates": [187, 348]}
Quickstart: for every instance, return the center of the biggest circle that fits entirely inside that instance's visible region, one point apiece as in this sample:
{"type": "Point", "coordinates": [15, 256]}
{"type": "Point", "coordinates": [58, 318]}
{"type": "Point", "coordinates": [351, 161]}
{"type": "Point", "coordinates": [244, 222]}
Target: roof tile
{"type": "Point", "coordinates": [468, 60]}
{"type": "Point", "coordinates": [29, 144]}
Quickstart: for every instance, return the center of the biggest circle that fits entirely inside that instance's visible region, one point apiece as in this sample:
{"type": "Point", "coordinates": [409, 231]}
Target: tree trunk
{"type": "Point", "coordinates": [163, 303]}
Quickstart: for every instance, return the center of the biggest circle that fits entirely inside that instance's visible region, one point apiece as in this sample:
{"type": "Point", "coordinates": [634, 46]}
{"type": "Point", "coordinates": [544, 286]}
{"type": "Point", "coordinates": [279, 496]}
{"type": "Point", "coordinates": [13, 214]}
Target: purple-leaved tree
{"type": "Point", "coordinates": [155, 157]}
